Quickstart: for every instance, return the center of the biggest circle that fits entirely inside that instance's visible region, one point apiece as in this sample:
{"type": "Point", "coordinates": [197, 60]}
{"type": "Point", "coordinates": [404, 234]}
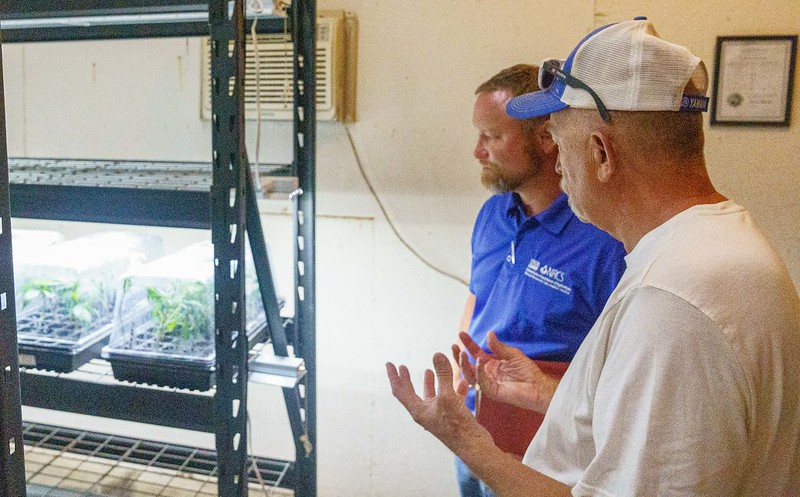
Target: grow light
{"type": "Point", "coordinates": [110, 20]}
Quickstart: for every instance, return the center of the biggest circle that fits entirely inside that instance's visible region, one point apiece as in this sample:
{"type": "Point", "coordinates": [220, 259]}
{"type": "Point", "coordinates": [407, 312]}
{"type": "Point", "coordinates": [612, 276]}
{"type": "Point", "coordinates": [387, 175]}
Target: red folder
{"type": "Point", "coordinates": [511, 427]}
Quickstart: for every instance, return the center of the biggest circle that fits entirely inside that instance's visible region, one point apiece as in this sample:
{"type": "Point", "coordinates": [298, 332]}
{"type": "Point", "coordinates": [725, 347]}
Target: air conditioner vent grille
{"type": "Point", "coordinates": [274, 85]}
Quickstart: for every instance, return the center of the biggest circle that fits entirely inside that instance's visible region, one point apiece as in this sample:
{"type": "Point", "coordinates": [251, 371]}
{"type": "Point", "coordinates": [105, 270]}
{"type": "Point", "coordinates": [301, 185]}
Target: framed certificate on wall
{"type": "Point", "coordinates": [753, 79]}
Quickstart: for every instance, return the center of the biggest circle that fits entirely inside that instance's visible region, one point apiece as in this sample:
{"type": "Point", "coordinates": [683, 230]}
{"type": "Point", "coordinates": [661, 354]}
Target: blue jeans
{"type": "Point", "coordinates": [468, 485]}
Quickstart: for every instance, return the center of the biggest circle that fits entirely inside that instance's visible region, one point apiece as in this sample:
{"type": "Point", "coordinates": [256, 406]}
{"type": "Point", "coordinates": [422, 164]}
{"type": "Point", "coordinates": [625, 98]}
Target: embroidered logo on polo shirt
{"type": "Point", "coordinates": [547, 275]}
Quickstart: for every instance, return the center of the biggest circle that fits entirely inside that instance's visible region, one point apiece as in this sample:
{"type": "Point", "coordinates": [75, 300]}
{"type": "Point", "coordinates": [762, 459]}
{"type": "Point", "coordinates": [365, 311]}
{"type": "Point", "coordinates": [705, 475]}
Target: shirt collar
{"type": "Point", "coordinates": [515, 208]}
{"type": "Point", "coordinates": [553, 219]}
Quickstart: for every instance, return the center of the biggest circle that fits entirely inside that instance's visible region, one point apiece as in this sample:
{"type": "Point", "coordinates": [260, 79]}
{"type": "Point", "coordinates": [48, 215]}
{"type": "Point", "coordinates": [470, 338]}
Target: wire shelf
{"type": "Point", "coordinates": [84, 463]}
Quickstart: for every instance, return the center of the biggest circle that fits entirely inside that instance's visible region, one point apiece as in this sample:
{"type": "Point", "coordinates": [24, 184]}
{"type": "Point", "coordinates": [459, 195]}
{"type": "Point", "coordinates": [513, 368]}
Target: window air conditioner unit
{"type": "Point", "coordinates": [335, 72]}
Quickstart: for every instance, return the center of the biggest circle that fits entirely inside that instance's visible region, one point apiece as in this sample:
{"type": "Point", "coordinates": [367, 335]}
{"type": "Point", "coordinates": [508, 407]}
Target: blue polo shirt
{"type": "Point", "coordinates": [540, 282]}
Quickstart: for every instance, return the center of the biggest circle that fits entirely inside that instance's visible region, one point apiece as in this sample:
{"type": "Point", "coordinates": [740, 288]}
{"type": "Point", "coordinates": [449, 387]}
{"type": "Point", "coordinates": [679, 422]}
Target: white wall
{"type": "Point", "coordinates": [419, 63]}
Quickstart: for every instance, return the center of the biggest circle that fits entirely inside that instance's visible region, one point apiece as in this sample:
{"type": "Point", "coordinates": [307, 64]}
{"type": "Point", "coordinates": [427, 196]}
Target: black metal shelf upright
{"type": "Point", "coordinates": [304, 21]}
{"type": "Point", "coordinates": [233, 209]}
{"type": "Point", "coordinates": [227, 232]}
{"type": "Point", "coordinates": [12, 466]}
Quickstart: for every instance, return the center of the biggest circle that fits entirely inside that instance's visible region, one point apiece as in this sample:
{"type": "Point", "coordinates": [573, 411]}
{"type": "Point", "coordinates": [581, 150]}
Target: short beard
{"type": "Point", "coordinates": [495, 181]}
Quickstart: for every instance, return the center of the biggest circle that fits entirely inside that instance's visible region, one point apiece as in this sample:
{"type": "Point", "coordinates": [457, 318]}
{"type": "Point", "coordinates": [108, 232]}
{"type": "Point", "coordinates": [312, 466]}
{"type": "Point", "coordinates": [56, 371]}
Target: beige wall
{"type": "Point", "coordinates": [419, 63]}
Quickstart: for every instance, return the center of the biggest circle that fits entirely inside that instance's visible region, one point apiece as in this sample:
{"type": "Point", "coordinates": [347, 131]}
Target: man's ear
{"type": "Point", "coordinates": [603, 156]}
{"type": "Point", "coordinates": [544, 138]}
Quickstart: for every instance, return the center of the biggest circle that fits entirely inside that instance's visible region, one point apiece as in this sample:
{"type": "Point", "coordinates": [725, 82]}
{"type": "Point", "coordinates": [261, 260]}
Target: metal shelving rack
{"type": "Point", "coordinates": [12, 465]}
{"type": "Point", "coordinates": [232, 211]}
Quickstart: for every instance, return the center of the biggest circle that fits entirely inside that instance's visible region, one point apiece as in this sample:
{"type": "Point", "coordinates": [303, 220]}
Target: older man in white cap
{"type": "Point", "coordinates": [689, 381]}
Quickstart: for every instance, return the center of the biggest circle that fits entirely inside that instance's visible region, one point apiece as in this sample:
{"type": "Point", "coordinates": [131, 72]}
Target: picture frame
{"type": "Point", "coordinates": [753, 80]}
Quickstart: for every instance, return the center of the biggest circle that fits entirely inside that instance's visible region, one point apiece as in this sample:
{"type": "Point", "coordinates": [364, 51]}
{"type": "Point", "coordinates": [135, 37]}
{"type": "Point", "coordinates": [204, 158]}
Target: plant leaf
{"type": "Point", "coordinates": [82, 314]}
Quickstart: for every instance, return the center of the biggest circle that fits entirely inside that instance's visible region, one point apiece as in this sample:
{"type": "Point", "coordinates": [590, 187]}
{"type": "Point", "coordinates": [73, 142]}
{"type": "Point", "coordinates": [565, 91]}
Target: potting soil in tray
{"type": "Point", "coordinates": [171, 360]}
{"type": "Point", "coordinates": [169, 339]}
{"type": "Point", "coordinates": [55, 342]}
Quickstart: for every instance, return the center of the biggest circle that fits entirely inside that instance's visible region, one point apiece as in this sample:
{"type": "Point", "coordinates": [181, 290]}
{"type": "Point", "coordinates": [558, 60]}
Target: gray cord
{"type": "Point", "coordinates": [389, 220]}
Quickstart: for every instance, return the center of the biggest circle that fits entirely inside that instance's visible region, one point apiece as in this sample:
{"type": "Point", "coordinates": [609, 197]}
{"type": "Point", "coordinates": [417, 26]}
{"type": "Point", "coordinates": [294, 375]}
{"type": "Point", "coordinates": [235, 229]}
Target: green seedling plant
{"type": "Point", "coordinates": [180, 311]}
{"type": "Point", "coordinates": [80, 305]}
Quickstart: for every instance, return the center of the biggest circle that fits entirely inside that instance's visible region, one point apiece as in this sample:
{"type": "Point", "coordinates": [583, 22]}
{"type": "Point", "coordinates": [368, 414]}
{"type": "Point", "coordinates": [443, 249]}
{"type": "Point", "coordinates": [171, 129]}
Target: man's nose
{"type": "Point", "coordinates": [480, 152]}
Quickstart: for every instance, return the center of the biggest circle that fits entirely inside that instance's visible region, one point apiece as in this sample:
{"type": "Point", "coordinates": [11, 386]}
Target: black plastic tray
{"type": "Point", "coordinates": [52, 355]}
{"type": "Point", "coordinates": [162, 372]}
{"type": "Point", "coordinates": [165, 371]}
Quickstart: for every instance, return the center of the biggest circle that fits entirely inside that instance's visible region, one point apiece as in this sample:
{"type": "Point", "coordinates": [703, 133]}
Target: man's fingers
{"type": "Point", "coordinates": [398, 380]}
{"type": "Point", "coordinates": [444, 372]}
{"type": "Point", "coordinates": [402, 388]}
{"type": "Point", "coordinates": [474, 349]}
{"type": "Point", "coordinates": [500, 349]}
{"type": "Point", "coordinates": [482, 378]}
{"type": "Point", "coordinates": [467, 369]}
{"type": "Point", "coordinates": [430, 385]}
{"type": "Point", "coordinates": [463, 388]}
{"type": "Point", "coordinates": [456, 350]}
{"type": "Point", "coordinates": [480, 369]}
{"type": "Point", "coordinates": [394, 377]}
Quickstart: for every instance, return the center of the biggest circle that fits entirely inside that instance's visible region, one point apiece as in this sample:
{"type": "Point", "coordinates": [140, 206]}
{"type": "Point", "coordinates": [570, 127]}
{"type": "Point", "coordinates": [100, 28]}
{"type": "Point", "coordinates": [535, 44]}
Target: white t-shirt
{"type": "Point", "coordinates": [689, 382]}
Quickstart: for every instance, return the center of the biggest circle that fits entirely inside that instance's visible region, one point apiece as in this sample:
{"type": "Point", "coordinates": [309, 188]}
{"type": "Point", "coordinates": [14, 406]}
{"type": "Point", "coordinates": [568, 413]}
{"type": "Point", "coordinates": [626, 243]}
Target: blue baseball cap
{"type": "Point", "coordinates": [620, 66]}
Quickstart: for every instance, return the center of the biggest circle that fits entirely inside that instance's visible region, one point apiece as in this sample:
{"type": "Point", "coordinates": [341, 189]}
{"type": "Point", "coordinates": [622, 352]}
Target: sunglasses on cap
{"type": "Point", "coordinates": [551, 70]}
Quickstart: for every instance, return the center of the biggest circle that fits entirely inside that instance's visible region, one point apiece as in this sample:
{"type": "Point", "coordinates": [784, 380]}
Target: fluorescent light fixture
{"type": "Point", "coordinates": [113, 20]}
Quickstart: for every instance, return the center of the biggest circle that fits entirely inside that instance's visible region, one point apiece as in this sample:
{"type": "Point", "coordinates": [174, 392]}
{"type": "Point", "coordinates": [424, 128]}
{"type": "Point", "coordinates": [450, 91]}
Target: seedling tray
{"type": "Point", "coordinates": [154, 362]}
{"type": "Point", "coordinates": [60, 348]}
{"type": "Point", "coordinates": [163, 372]}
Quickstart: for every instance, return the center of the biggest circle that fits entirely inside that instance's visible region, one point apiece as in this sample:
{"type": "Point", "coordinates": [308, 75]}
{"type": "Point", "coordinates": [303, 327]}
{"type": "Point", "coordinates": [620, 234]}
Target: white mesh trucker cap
{"type": "Point", "coordinates": [629, 67]}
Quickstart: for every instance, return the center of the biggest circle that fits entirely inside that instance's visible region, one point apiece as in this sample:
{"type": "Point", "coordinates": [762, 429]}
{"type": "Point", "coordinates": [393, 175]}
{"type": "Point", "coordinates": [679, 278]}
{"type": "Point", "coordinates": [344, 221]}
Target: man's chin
{"type": "Point", "coordinates": [496, 189]}
{"type": "Point", "coordinates": [494, 184]}
{"type": "Point", "coordinates": [488, 183]}
{"type": "Point", "coordinates": [578, 213]}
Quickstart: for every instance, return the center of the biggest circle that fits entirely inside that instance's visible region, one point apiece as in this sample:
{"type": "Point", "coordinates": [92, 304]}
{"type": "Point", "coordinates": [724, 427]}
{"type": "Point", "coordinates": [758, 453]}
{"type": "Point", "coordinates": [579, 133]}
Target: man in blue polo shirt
{"type": "Point", "coordinates": [540, 277]}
